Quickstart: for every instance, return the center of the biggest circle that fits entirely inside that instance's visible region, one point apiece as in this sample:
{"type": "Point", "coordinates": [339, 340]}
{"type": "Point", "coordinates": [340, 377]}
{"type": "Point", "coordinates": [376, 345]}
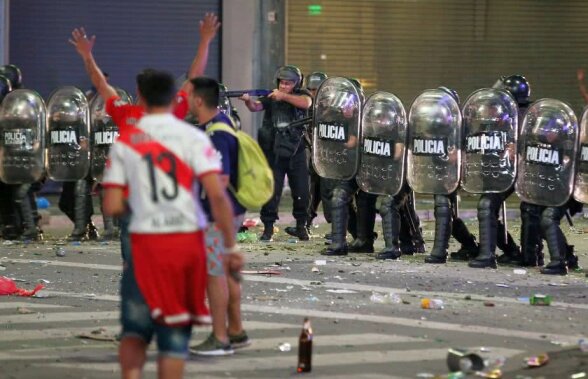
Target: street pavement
{"type": "Point", "coordinates": [485, 311]}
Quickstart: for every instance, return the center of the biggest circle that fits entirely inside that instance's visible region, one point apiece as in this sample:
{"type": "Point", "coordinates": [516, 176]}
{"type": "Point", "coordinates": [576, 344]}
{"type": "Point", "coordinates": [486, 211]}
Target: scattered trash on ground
{"type": "Point", "coordinates": [537, 361]}
{"type": "Point", "coordinates": [461, 360]}
{"type": "Point", "coordinates": [389, 298]}
{"type": "Point", "coordinates": [427, 303]}
{"type": "Point", "coordinates": [60, 252]}
{"type": "Point", "coordinates": [284, 347]}
{"type": "Point", "coordinates": [24, 311]}
{"type": "Point", "coordinates": [519, 271]}
{"type": "Point", "coordinates": [8, 287]}
{"type": "Point", "coordinates": [246, 237]}
{"type": "Point", "coordinates": [341, 291]}
{"type": "Point", "coordinates": [100, 334]}
{"type": "Point", "coordinates": [320, 262]}
{"type": "Point", "coordinates": [539, 299]}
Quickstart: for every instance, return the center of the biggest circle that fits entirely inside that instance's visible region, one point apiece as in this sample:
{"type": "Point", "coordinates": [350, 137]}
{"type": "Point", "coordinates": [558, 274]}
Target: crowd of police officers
{"type": "Point", "coordinates": [345, 151]}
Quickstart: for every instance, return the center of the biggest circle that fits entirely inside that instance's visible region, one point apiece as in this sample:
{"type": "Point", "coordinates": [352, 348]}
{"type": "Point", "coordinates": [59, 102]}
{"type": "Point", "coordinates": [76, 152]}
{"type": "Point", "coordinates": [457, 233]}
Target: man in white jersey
{"type": "Point", "coordinates": [163, 161]}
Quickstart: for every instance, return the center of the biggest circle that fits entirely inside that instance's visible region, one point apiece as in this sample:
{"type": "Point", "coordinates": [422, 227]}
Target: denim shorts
{"type": "Point", "coordinates": [215, 247]}
{"type": "Point", "coordinates": [136, 318]}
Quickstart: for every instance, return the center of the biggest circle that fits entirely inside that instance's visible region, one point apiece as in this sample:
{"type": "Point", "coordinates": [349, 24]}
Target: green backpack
{"type": "Point", "coordinates": [255, 180]}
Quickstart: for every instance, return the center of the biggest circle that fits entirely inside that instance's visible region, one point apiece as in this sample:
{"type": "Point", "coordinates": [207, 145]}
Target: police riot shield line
{"type": "Point", "coordinates": [103, 133]}
{"type": "Point", "coordinates": [581, 186]}
{"type": "Point", "coordinates": [23, 122]}
{"type": "Point", "coordinates": [68, 142]}
{"type": "Point", "coordinates": [434, 143]}
{"type": "Point", "coordinates": [336, 132]}
{"type": "Point", "coordinates": [547, 153]}
{"type": "Point", "coordinates": [490, 123]}
{"type": "Point", "coordinates": [382, 145]}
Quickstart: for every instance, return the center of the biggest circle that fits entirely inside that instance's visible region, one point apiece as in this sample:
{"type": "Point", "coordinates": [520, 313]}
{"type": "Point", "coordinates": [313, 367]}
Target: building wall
{"type": "Point", "coordinates": [406, 46]}
{"type": "Point", "coordinates": [131, 35]}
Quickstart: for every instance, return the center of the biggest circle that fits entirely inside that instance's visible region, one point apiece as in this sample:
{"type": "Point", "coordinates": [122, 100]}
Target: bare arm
{"type": "Point", "coordinates": [114, 201]}
{"type": "Point", "coordinates": [208, 28]}
{"type": "Point", "coordinates": [582, 85]}
{"type": "Point", "coordinates": [252, 105]}
{"type": "Point", "coordinates": [299, 101]}
{"type": "Point", "coordinates": [84, 48]}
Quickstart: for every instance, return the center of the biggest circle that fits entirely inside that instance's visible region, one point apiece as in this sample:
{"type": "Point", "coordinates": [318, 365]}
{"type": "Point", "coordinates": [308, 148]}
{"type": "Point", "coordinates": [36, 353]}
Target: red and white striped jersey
{"type": "Point", "coordinates": [161, 160]}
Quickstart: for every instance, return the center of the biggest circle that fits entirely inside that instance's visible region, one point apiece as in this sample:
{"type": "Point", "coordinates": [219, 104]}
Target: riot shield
{"type": "Point", "coordinates": [23, 121]}
{"type": "Point", "coordinates": [382, 146]}
{"type": "Point", "coordinates": [336, 118]}
{"type": "Point", "coordinates": [581, 186]}
{"type": "Point", "coordinates": [68, 142]}
{"type": "Point", "coordinates": [547, 153]}
{"type": "Point", "coordinates": [103, 133]}
{"type": "Point", "coordinates": [490, 123]}
{"type": "Point", "coordinates": [434, 143]}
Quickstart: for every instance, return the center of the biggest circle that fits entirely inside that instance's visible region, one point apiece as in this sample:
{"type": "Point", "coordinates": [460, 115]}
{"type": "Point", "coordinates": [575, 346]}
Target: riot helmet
{"type": "Point", "coordinates": [5, 87]}
{"type": "Point", "coordinates": [358, 86]}
{"type": "Point", "coordinates": [450, 91]}
{"type": "Point", "coordinates": [518, 87]}
{"type": "Point", "coordinates": [314, 80]}
{"type": "Point", "coordinates": [13, 74]}
{"type": "Point", "coordinates": [289, 72]}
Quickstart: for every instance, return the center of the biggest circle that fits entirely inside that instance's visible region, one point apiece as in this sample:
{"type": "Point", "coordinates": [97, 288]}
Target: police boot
{"type": "Point", "coordinates": [531, 243]}
{"type": "Point", "coordinates": [556, 242]}
{"type": "Point", "coordinates": [571, 258]}
{"type": "Point", "coordinates": [442, 231]}
{"type": "Point", "coordinates": [80, 231]}
{"type": "Point", "coordinates": [487, 221]}
{"type": "Point", "coordinates": [390, 228]}
{"type": "Point", "coordinates": [469, 247]}
{"type": "Point", "coordinates": [366, 218]}
{"type": "Point", "coordinates": [92, 232]}
{"type": "Point", "coordinates": [268, 232]}
{"type": "Point", "coordinates": [300, 231]}
{"type": "Point", "coordinates": [30, 231]}
{"type": "Point", "coordinates": [339, 215]}
{"type": "Point", "coordinates": [512, 253]}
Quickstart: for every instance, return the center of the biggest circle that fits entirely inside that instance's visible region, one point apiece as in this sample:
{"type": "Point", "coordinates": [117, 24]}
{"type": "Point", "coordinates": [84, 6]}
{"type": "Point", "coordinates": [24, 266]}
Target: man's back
{"type": "Point", "coordinates": [162, 158]}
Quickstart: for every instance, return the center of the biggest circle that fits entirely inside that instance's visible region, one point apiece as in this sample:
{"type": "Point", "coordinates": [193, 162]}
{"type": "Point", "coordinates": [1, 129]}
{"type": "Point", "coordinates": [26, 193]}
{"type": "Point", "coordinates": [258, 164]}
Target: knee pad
{"type": "Point", "coordinates": [340, 198]}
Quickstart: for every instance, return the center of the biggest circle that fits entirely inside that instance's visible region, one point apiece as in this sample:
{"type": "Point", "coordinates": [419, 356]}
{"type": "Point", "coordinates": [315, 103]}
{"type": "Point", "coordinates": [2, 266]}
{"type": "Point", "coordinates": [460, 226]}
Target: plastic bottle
{"type": "Point", "coordinates": [427, 303]}
{"type": "Point", "coordinates": [305, 348]}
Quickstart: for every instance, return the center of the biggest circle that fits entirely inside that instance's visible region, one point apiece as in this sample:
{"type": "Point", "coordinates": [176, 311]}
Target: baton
{"type": "Point", "coordinates": [505, 222]}
{"type": "Point", "coordinates": [250, 92]}
{"type": "Point", "coordinates": [569, 218]}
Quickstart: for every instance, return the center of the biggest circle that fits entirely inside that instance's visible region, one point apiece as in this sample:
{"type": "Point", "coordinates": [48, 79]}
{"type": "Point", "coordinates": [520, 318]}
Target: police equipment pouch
{"type": "Point", "coordinates": [287, 141]}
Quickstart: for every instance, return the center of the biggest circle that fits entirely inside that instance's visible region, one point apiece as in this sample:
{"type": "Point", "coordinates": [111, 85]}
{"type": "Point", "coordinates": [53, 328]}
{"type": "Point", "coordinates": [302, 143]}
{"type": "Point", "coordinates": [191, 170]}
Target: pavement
{"type": "Point", "coordinates": [68, 330]}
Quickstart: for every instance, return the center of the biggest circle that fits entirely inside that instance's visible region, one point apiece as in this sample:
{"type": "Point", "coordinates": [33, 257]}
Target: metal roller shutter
{"type": "Point", "coordinates": [406, 46]}
{"type": "Point", "coordinates": [131, 35]}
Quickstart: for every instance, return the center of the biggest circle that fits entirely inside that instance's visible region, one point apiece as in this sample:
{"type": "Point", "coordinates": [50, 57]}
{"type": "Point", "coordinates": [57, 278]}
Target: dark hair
{"type": "Point", "coordinates": [207, 89]}
{"type": "Point", "coordinates": [156, 87]}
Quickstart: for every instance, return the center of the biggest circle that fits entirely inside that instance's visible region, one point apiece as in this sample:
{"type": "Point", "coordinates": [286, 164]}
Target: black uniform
{"type": "Point", "coordinates": [286, 154]}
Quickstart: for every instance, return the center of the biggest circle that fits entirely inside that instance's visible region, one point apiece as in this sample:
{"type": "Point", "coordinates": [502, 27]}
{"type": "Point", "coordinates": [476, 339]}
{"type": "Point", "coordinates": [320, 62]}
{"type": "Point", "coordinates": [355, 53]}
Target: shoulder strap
{"type": "Point", "coordinates": [221, 126]}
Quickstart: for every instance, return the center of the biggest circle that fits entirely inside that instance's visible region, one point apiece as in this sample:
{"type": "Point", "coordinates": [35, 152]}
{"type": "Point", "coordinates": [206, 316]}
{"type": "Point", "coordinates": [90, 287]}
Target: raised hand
{"type": "Point", "coordinates": [81, 42]}
{"type": "Point", "coordinates": [209, 26]}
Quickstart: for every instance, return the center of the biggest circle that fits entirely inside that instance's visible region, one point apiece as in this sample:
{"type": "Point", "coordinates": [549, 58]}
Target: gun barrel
{"type": "Point", "coordinates": [250, 92]}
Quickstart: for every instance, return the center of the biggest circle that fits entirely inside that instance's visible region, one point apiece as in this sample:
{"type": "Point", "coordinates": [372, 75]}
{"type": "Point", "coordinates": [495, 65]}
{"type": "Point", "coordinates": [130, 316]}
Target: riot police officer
{"type": "Point", "coordinates": [448, 222]}
{"type": "Point", "coordinates": [491, 230]}
{"type": "Point", "coordinates": [313, 81]}
{"type": "Point", "coordinates": [283, 146]}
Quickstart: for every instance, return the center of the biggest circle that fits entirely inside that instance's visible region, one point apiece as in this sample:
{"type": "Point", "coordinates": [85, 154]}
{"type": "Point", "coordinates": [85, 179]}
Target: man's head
{"type": "Point", "coordinates": [518, 86]}
{"type": "Point", "coordinates": [314, 80]}
{"type": "Point", "coordinates": [155, 88]}
{"type": "Point", "coordinates": [205, 95]}
{"type": "Point", "coordinates": [288, 78]}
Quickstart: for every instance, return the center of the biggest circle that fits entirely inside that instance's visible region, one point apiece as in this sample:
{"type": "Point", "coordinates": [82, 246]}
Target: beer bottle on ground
{"type": "Point", "coordinates": [305, 347]}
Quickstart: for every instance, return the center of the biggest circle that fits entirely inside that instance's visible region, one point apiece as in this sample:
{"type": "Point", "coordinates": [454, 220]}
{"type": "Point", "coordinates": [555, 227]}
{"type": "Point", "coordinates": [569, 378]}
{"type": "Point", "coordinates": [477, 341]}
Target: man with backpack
{"type": "Point", "coordinates": [224, 291]}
